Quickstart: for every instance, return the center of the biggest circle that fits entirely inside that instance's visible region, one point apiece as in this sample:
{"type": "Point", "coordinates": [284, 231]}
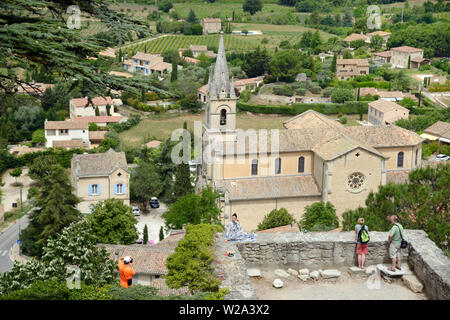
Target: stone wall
{"type": "Point", "coordinates": [320, 250]}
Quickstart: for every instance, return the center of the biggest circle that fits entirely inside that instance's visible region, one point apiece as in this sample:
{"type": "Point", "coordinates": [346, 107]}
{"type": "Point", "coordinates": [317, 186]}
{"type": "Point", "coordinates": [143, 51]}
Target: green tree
{"type": "Point", "coordinates": [319, 217]}
{"type": "Point", "coordinates": [174, 74]}
{"type": "Point", "coordinates": [108, 110]}
{"type": "Point", "coordinates": [333, 63]}
{"type": "Point", "coordinates": [113, 223]}
{"type": "Point", "coordinates": [376, 42]}
{"type": "Point", "coordinates": [38, 137]}
{"type": "Point", "coordinates": [165, 5]}
{"type": "Point", "coordinates": [16, 173]}
{"type": "Point", "coordinates": [55, 210]}
{"type": "Point", "coordinates": [256, 63]}
{"type": "Point", "coordinates": [285, 65]}
{"type": "Point", "coordinates": [193, 209]}
{"type": "Point", "coordinates": [145, 240]}
{"type": "Point", "coordinates": [192, 18]}
{"type": "Point", "coordinates": [161, 233]}
{"type": "Point", "coordinates": [252, 6]}
{"type": "Point", "coordinates": [97, 111]}
{"type": "Point", "coordinates": [111, 141]}
{"type": "Point", "coordinates": [41, 167]}
{"type": "Point", "coordinates": [145, 182]}
{"type": "Point", "coordinates": [182, 184]}
{"type": "Point", "coordinates": [276, 218]}
{"type": "Point", "coordinates": [340, 95]}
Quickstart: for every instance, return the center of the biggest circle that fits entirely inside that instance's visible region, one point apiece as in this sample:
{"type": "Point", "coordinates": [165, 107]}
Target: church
{"type": "Point", "coordinates": [314, 158]}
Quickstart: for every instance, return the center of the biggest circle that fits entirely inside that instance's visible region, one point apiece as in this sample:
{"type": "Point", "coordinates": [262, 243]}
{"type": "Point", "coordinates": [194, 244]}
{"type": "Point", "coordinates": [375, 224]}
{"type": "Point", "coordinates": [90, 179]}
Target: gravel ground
{"type": "Point", "coordinates": [153, 220]}
{"type": "Point", "coordinates": [346, 288]}
{"type": "Point", "coordinates": [10, 192]}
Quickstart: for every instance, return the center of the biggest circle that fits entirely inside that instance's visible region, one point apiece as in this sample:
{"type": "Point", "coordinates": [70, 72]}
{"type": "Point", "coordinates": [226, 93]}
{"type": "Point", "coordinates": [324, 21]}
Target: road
{"type": "Point", "coordinates": [7, 239]}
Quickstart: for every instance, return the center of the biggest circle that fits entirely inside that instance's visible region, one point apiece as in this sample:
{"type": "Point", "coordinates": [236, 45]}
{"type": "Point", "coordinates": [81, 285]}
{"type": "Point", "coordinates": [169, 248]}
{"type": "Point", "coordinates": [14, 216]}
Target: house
{"type": "Point", "coordinates": [149, 261]}
{"type": "Point", "coordinates": [438, 131]}
{"type": "Point", "coordinates": [120, 74]}
{"type": "Point", "coordinates": [100, 176]}
{"type": "Point", "coordinates": [383, 34]}
{"type": "Point", "coordinates": [380, 58]}
{"type": "Point", "coordinates": [153, 144]}
{"type": "Point", "coordinates": [348, 68]}
{"type": "Point", "coordinates": [96, 137]}
{"type": "Point", "coordinates": [101, 121]}
{"type": "Point", "coordinates": [191, 60]}
{"type": "Point", "coordinates": [80, 107]}
{"type": "Point", "coordinates": [314, 158]}
{"type": "Point", "coordinates": [383, 95]}
{"type": "Point", "coordinates": [401, 56]}
{"type": "Point", "coordinates": [146, 63]}
{"type": "Point", "coordinates": [239, 85]}
{"type": "Point", "coordinates": [34, 88]}
{"type": "Point", "coordinates": [211, 25]}
{"type": "Point", "coordinates": [417, 62]}
{"type": "Point", "coordinates": [108, 52]}
{"type": "Point", "coordinates": [66, 134]}
{"type": "Point", "coordinates": [381, 112]}
{"type": "Point", "coordinates": [355, 37]}
{"type": "Point", "coordinates": [197, 50]}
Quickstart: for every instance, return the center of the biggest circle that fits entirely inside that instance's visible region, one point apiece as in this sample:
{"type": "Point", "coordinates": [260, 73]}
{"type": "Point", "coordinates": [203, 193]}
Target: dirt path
{"type": "Point", "coordinates": [346, 288]}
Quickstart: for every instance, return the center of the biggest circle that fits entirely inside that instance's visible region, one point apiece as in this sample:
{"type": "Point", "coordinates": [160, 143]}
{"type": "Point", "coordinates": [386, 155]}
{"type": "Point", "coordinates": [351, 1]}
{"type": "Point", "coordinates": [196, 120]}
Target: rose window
{"type": "Point", "coordinates": [356, 180]}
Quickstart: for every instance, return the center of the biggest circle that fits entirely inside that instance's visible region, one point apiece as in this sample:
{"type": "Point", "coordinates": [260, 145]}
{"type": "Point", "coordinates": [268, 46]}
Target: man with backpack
{"type": "Point", "coordinates": [395, 243]}
{"type": "Point", "coordinates": [362, 242]}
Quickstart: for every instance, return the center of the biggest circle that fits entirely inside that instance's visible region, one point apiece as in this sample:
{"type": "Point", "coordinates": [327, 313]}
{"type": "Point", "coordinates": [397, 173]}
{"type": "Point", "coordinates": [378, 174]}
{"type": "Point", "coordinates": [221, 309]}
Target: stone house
{"type": "Point", "coordinates": [315, 158]}
{"type": "Point", "coordinates": [438, 131]}
{"type": "Point", "coordinates": [100, 176]}
{"type": "Point", "coordinates": [401, 55]}
{"type": "Point", "coordinates": [211, 25]}
{"type": "Point", "coordinates": [382, 112]}
{"type": "Point", "coordinates": [355, 37]}
{"type": "Point", "coordinates": [348, 68]}
{"type": "Point", "coordinates": [383, 34]}
{"type": "Point", "coordinates": [380, 58]}
{"type": "Point", "coordinates": [66, 134]}
{"type": "Point", "coordinates": [197, 50]}
{"type": "Point", "coordinates": [101, 121]}
{"type": "Point", "coordinates": [80, 107]}
{"type": "Point", "coordinates": [146, 63]}
{"type": "Point", "coordinates": [239, 85]}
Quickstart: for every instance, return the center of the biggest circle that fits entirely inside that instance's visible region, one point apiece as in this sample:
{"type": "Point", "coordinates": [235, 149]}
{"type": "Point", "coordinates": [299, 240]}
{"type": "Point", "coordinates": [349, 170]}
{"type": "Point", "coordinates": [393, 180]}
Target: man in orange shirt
{"type": "Point", "coordinates": [126, 272]}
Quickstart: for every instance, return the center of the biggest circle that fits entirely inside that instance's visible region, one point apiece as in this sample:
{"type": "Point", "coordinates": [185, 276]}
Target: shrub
{"type": "Point", "coordinates": [319, 217]}
{"type": "Point", "coordinates": [245, 95]}
{"type": "Point", "coordinates": [275, 218]}
{"type": "Point", "coordinates": [341, 95]}
{"type": "Point", "coordinates": [52, 289]}
{"type": "Point", "coordinates": [300, 91]}
{"type": "Point", "coordinates": [349, 107]}
{"type": "Point", "coordinates": [283, 90]}
{"type": "Point", "coordinates": [190, 264]}
{"type": "Point", "coordinates": [343, 119]}
{"type": "Point", "coordinates": [326, 92]}
{"type": "Point", "coordinates": [38, 137]}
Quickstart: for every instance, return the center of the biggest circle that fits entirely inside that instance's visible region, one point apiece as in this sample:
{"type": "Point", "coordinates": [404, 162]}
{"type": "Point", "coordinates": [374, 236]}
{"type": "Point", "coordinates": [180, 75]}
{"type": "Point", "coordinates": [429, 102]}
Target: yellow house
{"type": "Point", "coordinates": [100, 176]}
{"type": "Point", "coordinates": [314, 158]}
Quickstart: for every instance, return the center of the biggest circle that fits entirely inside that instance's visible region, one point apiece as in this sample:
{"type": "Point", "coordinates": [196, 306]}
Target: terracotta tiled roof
{"type": "Point", "coordinates": [108, 52]}
{"type": "Point", "coordinates": [355, 36]}
{"type": "Point", "coordinates": [161, 66]}
{"type": "Point", "coordinates": [397, 176]}
{"type": "Point", "coordinates": [120, 74]}
{"type": "Point", "coordinates": [358, 62]}
{"type": "Point", "coordinates": [34, 88]}
{"type": "Point", "coordinates": [365, 91]}
{"type": "Point", "coordinates": [439, 129]}
{"type": "Point", "coordinates": [271, 187]}
{"type": "Point", "coordinates": [311, 119]}
{"type": "Point", "coordinates": [198, 48]}
{"type": "Point", "coordinates": [174, 237]}
{"type": "Point", "coordinates": [53, 125]}
{"type": "Point", "coordinates": [390, 94]}
{"type": "Point", "coordinates": [419, 60]}
{"type": "Point", "coordinates": [406, 49]}
{"type": "Point", "coordinates": [79, 102]}
{"type": "Point", "coordinates": [191, 60]}
{"type": "Point", "coordinates": [387, 106]}
{"type": "Point", "coordinates": [212, 20]}
{"type": "Point", "coordinates": [288, 228]}
{"type": "Point", "coordinates": [243, 82]}
{"type": "Point", "coordinates": [384, 136]}
{"type": "Point", "coordinates": [145, 56]}
{"type": "Point", "coordinates": [97, 101]}
{"type": "Point", "coordinates": [386, 54]}
{"type": "Point", "coordinates": [98, 119]}
{"type": "Point", "coordinates": [67, 143]}
{"type": "Point", "coordinates": [379, 33]}
{"type": "Point", "coordinates": [164, 290]}
{"type": "Point", "coordinates": [101, 164]}
{"type": "Point", "coordinates": [97, 135]}
{"type": "Point", "coordinates": [153, 144]}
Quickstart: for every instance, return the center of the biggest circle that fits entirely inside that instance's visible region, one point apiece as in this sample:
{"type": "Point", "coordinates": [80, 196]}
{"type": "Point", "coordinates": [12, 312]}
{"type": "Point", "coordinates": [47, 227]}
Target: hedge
{"type": "Point", "coordinates": [349, 107]}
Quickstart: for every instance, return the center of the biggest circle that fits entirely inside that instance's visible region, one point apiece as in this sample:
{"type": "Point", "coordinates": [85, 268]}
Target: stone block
{"type": "Point", "coordinates": [254, 272]}
{"type": "Point", "coordinates": [412, 283]}
{"type": "Point", "coordinates": [292, 271]}
{"type": "Point", "coordinates": [314, 275]}
{"type": "Point", "coordinates": [303, 271]}
{"type": "Point", "coordinates": [303, 277]}
{"type": "Point", "coordinates": [281, 273]}
{"type": "Point", "coordinates": [331, 273]}
{"type": "Point", "coordinates": [277, 283]}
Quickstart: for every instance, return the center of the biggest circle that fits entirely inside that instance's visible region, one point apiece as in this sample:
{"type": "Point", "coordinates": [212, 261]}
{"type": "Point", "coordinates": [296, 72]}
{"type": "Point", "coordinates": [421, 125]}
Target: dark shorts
{"type": "Point", "coordinates": [362, 248]}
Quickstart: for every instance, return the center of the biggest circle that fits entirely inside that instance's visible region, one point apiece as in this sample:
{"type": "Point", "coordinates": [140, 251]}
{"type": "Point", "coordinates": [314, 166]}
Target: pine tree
{"type": "Point", "coordinates": [192, 18]}
{"type": "Point", "coordinates": [145, 234]}
{"type": "Point", "coordinates": [97, 112]}
{"type": "Point", "coordinates": [56, 210]}
{"type": "Point", "coordinates": [161, 234]}
{"type": "Point", "coordinates": [174, 74]}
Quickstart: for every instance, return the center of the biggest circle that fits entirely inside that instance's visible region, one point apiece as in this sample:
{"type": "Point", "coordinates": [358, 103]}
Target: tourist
{"type": "Point", "coordinates": [361, 248]}
{"type": "Point", "coordinates": [394, 241]}
{"type": "Point", "coordinates": [126, 271]}
{"type": "Point", "coordinates": [234, 232]}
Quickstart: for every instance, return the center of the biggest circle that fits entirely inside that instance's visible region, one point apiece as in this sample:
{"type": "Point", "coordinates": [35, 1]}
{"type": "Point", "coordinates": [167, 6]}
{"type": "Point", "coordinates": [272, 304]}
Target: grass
{"type": "Point", "coordinates": [10, 216]}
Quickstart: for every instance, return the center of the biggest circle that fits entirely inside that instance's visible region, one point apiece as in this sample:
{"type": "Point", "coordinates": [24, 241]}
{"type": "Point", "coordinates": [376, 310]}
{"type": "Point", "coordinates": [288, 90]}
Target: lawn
{"type": "Point", "coordinates": [162, 127]}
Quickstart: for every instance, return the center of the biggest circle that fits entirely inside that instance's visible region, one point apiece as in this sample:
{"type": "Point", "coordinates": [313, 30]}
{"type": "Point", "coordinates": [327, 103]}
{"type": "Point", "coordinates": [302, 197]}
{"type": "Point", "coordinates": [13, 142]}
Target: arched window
{"type": "Point", "coordinates": [277, 165]}
{"type": "Point", "coordinates": [400, 157]}
{"type": "Point", "coordinates": [301, 164]}
{"type": "Point", "coordinates": [254, 167]}
{"type": "Point", "coordinates": [223, 117]}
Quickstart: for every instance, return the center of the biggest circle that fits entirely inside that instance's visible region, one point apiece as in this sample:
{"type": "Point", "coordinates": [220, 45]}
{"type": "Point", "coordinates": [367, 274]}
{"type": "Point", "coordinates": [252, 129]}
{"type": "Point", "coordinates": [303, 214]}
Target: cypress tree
{"type": "Point", "coordinates": [174, 74]}
{"type": "Point", "coordinates": [182, 184]}
{"type": "Point", "coordinates": [409, 62]}
{"type": "Point", "coordinates": [145, 234]}
{"type": "Point", "coordinates": [161, 234]}
{"type": "Point", "coordinates": [333, 63]}
{"type": "Point", "coordinates": [97, 112]}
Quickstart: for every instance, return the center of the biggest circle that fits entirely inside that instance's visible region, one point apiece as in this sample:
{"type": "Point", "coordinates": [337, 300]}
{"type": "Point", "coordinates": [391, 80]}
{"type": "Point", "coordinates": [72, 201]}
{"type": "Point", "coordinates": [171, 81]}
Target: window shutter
{"type": "Point", "coordinates": [99, 187]}
{"type": "Point", "coordinates": [124, 190]}
{"type": "Point", "coordinates": [115, 189]}
{"type": "Point", "coordinates": [90, 189]}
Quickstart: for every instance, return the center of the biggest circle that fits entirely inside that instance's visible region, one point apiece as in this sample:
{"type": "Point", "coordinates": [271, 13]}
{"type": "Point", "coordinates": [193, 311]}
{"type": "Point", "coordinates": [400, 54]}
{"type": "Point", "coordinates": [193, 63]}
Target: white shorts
{"type": "Point", "coordinates": [394, 250]}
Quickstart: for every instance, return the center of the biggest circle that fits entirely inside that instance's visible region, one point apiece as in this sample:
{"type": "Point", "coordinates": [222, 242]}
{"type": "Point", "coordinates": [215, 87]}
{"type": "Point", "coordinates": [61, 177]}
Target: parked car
{"type": "Point", "coordinates": [154, 203]}
{"type": "Point", "coordinates": [442, 157]}
{"type": "Point", "coordinates": [192, 165]}
{"type": "Point", "coordinates": [139, 241]}
{"type": "Point", "coordinates": [135, 210]}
